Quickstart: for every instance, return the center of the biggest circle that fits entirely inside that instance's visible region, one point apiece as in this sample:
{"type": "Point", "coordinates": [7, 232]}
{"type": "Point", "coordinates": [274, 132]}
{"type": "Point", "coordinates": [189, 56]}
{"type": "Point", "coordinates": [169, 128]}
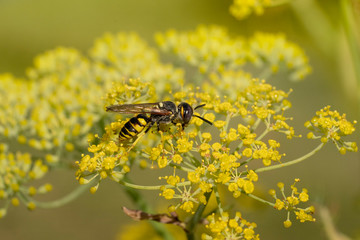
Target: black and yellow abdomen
{"type": "Point", "coordinates": [133, 127]}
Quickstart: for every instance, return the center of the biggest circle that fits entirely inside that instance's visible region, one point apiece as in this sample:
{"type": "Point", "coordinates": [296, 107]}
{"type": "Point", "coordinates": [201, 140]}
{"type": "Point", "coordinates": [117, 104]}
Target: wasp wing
{"type": "Point", "coordinates": [152, 108]}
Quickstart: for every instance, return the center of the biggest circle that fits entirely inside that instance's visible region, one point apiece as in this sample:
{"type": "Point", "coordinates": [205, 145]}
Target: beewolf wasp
{"type": "Point", "coordinates": [153, 113]}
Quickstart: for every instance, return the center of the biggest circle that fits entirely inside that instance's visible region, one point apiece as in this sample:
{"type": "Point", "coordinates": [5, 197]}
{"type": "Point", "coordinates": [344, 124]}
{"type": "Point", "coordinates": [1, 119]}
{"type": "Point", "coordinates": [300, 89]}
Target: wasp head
{"type": "Point", "coordinates": [186, 112]}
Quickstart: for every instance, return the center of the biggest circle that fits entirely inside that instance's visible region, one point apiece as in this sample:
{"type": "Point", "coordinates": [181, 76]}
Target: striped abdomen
{"type": "Point", "coordinates": [133, 127]}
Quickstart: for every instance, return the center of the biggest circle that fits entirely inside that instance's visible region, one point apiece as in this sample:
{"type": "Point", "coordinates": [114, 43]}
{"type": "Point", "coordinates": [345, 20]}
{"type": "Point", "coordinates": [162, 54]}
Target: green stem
{"type": "Point", "coordinates": [260, 200]}
{"type": "Point", "coordinates": [62, 201]}
{"type": "Point", "coordinates": [227, 120]}
{"type": "Point", "coordinates": [289, 163]}
{"type": "Point", "coordinates": [156, 187]}
{"type": "Point", "coordinates": [218, 200]}
{"type": "Point", "coordinates": [263, 134]}
{"type": "Point", "coordinates": [196, 218]}
{"type": "Point", "coordinates": [185, 169]}
{"type": "Point", "coordinates": [195, 161]}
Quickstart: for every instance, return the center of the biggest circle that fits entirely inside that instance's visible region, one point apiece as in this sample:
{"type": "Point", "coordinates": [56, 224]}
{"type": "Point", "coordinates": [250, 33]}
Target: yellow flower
{"type": "Point", "coordinates": [108, 163]}
{"type": "Point", "coordinates": [193, 177]}
{"type": "Point", "coordinates": [303, 196]}
{"type": "Point", "coordinates": [219, 123]}
{"type": "Point", "coordinates": [224, 178]}
{"type": "Point", "coordinates": [162, 162]}
{"type": "Point", "coordinates": [206, 136]}
{"type": "Point", "coordinates": [232, 187]}
{"type": "Point", "coordinates": [287, 223]}
{"type": "Point", "coordinates": [187, 206]}
{"type": "Point", "coordinates": [303, 216]}
{"type": "Point", "coordinates": [205, 187]}
{"type": "Point", "coordinates": [155, 153]}
{"type": "Point", "coordinates": [248, 187]}
{"type": "Point", "coordinates": [168, 193]}
{"type": "Point", "coordinates": [177, 159]}
{"type": "Point", "coordinates": [247, 152]}
{"type": "Point", "coordinates": [252, 176]}
{"type": "Point", "coordinates": [242, 9]}
{"type": "Point", "coordinates": [216, 146]}
{"type": "Point", "coordinates": [279, 204]}
{"type": "Point", "coordinates": [204, 146]}
{"type": "Point", "coordinates": [183, 145]}
{"type": "Point", "coordinates": [173, 180]}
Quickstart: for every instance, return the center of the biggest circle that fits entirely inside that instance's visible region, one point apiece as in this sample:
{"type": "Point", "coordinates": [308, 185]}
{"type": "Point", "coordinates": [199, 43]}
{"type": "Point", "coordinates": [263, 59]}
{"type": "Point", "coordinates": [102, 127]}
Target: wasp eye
{"type": "Point", "coordinates": [186, 112]}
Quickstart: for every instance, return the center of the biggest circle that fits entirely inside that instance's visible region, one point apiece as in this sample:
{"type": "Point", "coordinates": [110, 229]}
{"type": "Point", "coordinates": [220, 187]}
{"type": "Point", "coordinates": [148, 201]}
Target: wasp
{"type": "Point", "coordinates": [153, 113]}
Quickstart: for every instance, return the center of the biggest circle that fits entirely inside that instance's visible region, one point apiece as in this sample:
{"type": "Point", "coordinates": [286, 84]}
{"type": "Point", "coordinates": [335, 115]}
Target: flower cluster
{"type": "Point", "coordinates": [224, 227]}
{"type": "Point", "coordinates": [331, 125]}
{"type": "Point", "coordinates": [58, 105]}
{"type": "Point", "coordinates": [222, 156]}
{"type": "Point", "coordinates": [16, 170]}
{"type": "Point", "coordinates": [212, 50]}
{"type": "Point", "coordinates": [276, 53]}
{"type": "Point", "coordinates": [290, 203]}
{"type": "Point", "coordinates": [129, 56]}
{"type": "Point", "coordinates": [209, 48]}
{"type": "Point", "coordinates": [242, 9]}
{"type": "Point", "coordinates": [53, 112]}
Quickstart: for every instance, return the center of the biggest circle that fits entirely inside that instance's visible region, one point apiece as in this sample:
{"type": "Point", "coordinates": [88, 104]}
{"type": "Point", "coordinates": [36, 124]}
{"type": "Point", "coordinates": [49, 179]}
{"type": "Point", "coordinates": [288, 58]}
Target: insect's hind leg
{"type": "Point", "coordinates": [139, 136]}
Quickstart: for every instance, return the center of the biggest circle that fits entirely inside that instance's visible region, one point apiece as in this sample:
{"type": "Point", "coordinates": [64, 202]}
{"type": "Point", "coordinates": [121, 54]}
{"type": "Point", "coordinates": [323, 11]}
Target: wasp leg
{"type": "Point", "coordinates": [139, 136]}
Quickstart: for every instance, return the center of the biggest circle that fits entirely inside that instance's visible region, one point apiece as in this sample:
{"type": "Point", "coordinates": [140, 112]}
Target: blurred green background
{"type": "Point", "coordinates": [28, 28]}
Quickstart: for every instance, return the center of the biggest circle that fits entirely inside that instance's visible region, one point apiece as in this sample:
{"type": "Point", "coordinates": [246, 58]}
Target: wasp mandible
{"type": "Point", "coordinates": [160, 113]}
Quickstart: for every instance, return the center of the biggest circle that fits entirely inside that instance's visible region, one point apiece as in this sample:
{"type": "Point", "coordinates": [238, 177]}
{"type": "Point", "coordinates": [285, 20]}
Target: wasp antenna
{"type": "Point", "coordinates": [199, 106]}
{"type": "Point", "coordinates": [205, 120]}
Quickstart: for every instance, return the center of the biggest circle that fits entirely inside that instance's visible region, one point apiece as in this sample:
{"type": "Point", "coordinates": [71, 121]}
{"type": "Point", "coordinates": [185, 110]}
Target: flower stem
{"type": "Point", "coordinates": [300, 159]}
{"type": "Point", "coordinates": [156, 187]}
{"type": "Point", "coordinates": [260, 199]}
{"type": "Point", "coordinates": [196, 218]}
{"type": "Point", "coordinates": [62, 201]}
{"type": "Point", "coordinates": [218, 200]}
